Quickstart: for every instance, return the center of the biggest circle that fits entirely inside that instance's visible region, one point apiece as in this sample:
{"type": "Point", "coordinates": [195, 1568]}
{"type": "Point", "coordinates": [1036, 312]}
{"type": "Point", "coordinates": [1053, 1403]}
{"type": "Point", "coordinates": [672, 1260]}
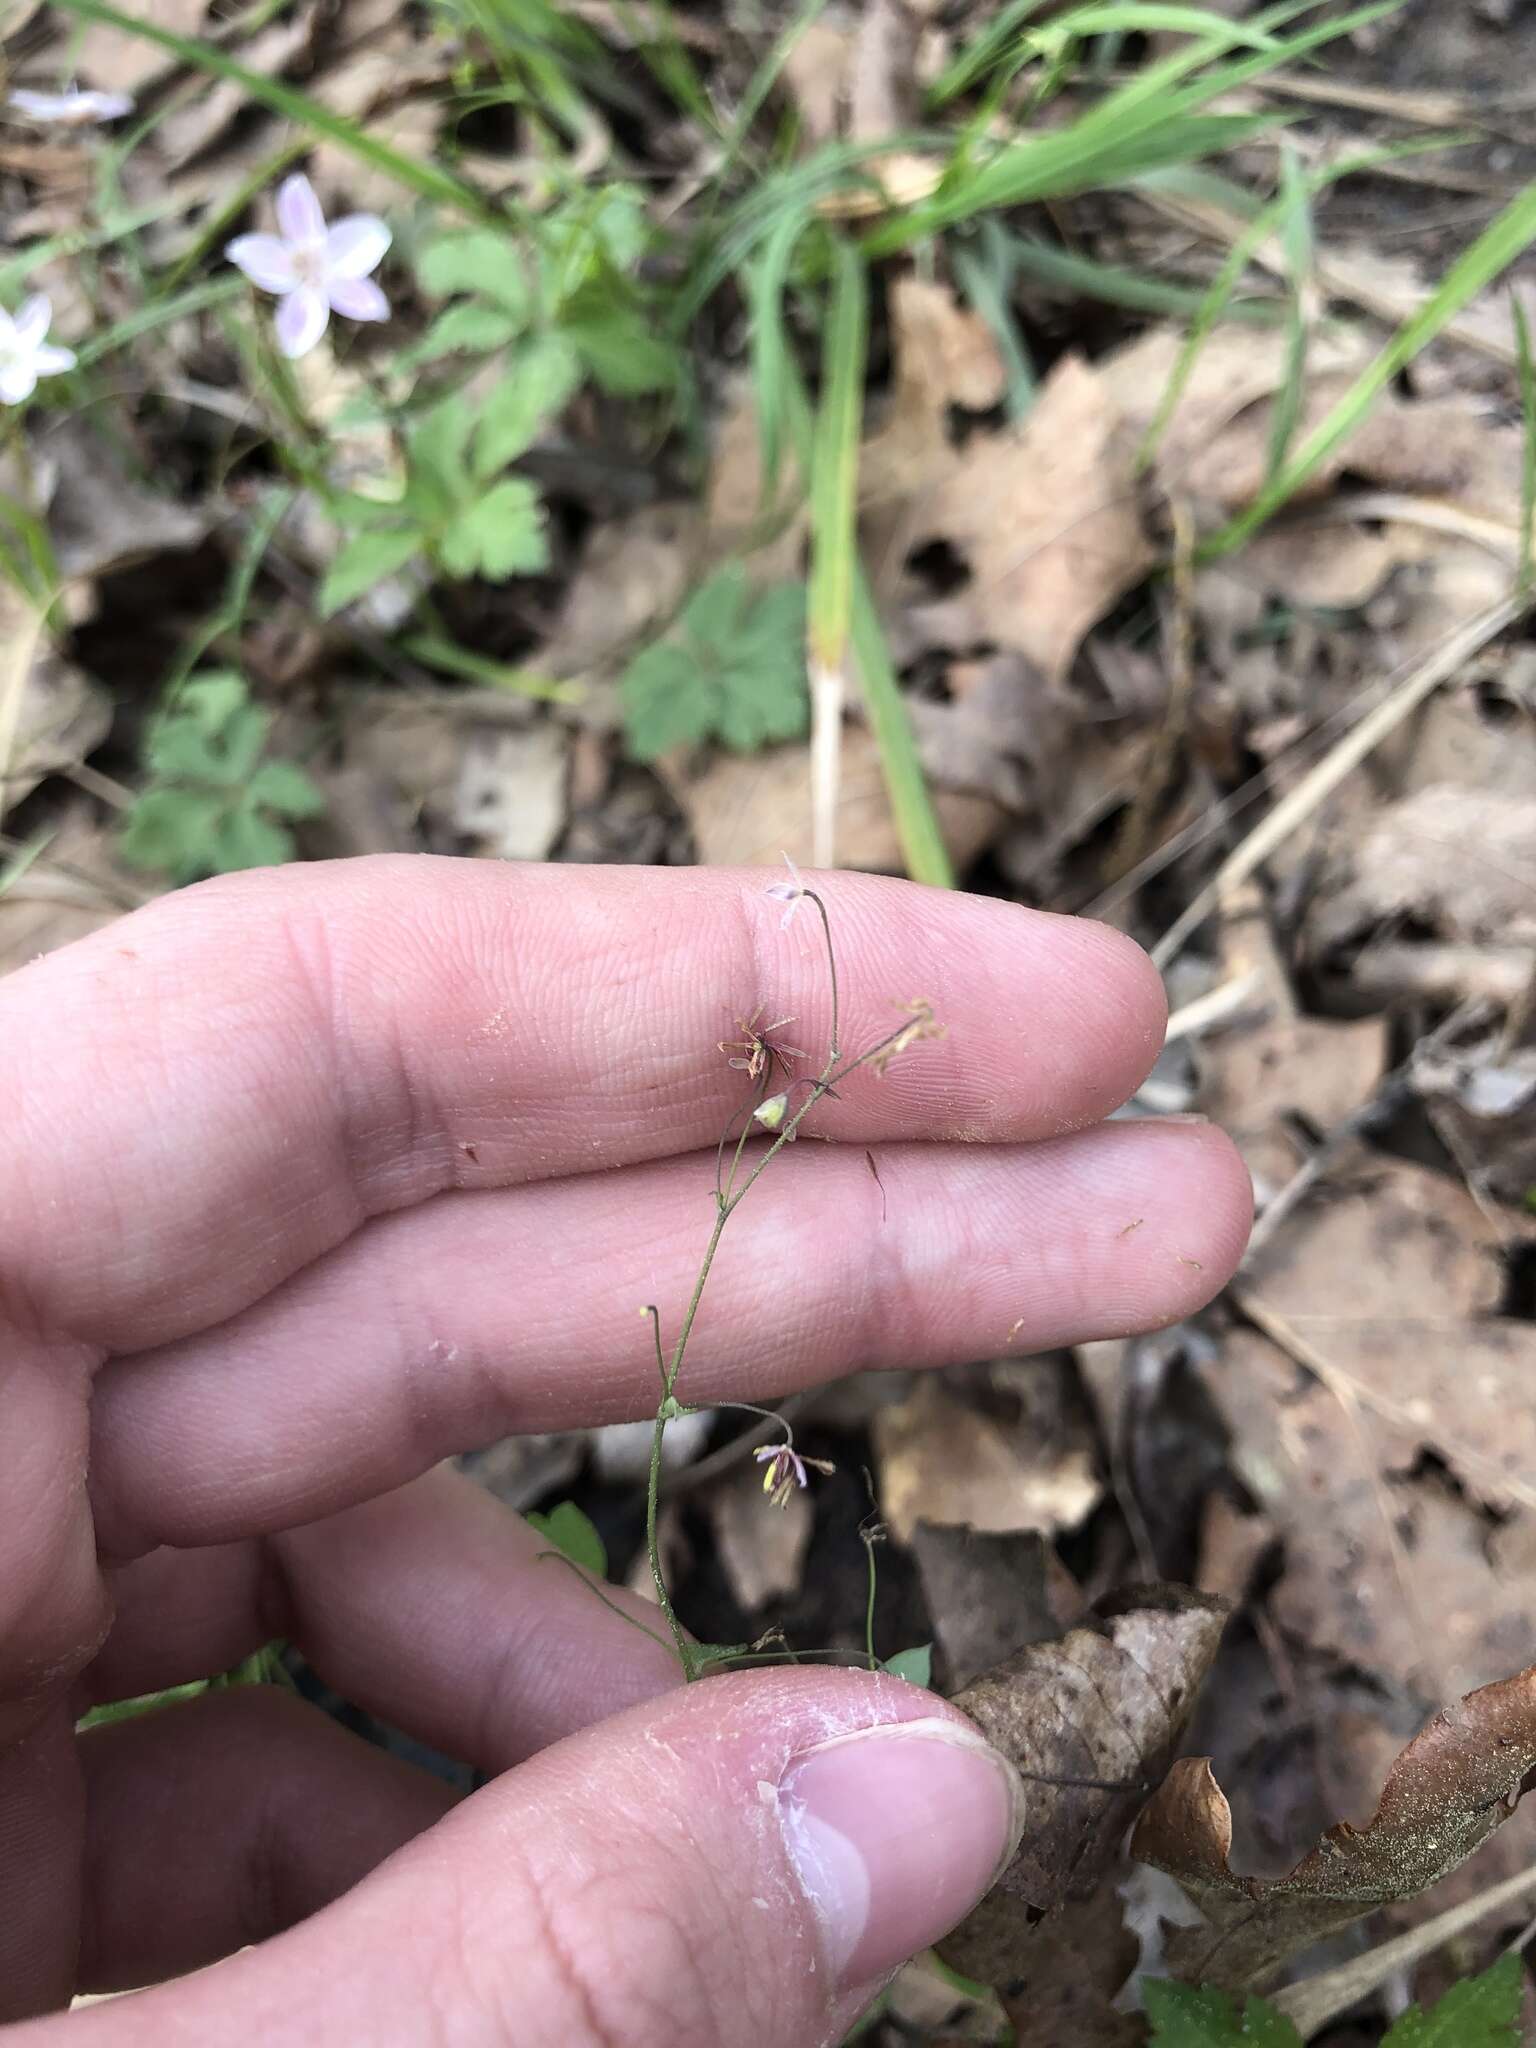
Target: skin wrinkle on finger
{"type": "Point", "coordinates": [669, 1807]}
{"type": "Point", "coordinates": [542, 1018]}
{"type": "Point", "coordinates": [224, 1437]}
{"type": "Point", "coordinates": [434, 1608]}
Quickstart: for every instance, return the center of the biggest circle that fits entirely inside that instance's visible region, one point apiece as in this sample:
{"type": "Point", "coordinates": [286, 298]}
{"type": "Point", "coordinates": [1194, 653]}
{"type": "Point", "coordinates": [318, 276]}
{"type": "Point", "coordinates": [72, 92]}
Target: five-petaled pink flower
{"type": "Point", "coordinates": [316, 268]}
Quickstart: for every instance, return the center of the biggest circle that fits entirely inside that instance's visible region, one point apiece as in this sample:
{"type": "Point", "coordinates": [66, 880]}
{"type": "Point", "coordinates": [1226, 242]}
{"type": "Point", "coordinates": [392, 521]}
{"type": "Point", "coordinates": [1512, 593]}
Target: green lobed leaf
{"type": "Point", "coordinates": [914, 1665]}
{"type": "Point", "coordinates": [245, 839]}
{"type": "Point", "coordinates": [436, 445]}
{"type": "Point", "coordinates": [734, 671]}
{"type": "Point", "coordinates": [623, 355]}
{"type": "Point", "coordinates": [283, 786]}
{"type": "Point", "coordinates": [500, 535]}
{"type": "Point", "coordinates": [365, 560]}
{"type": "Point", "coordinates": [466, 328]}
{"type": "Point", "coordinates": [1479, 2012]}
{"type": "Point", "coordinates": [539, 382]}
{"type": "Point", "coordinates": [572, 1532]}
{"type": "Point", "coordinates": [166, 831]}
{"type": "Point", "coordinates": [1187, 2016]}
{"type": "Point", "coordinates": [482, 262]}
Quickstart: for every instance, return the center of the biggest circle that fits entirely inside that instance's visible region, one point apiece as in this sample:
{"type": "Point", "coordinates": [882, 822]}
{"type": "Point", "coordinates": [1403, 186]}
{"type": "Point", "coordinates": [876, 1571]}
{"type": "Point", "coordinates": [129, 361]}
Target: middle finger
{"type": "Point", "coordinates": [479, 1316]}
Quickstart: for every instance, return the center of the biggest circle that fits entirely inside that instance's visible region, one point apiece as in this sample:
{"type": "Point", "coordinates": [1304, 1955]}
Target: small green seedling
{"type": "Point", "coordinates": [1480, 2012]}
{"type": "Point", "coordinates": [733, 669]}
{"type": "Point", "coordinates": [216, 800]}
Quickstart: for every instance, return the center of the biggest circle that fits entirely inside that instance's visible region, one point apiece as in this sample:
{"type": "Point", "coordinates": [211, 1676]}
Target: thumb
{"type": "Point", "coordinates": [743, 1860]}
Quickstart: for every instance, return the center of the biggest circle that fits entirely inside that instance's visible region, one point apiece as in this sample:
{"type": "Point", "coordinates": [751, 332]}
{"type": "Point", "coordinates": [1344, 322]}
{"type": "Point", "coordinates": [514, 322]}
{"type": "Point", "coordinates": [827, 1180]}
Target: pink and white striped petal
{"type": "Point", "coordinates": [359, 298]}
{"type": "Point", "coordinates": [355, 246]}
{"type": "Point", "coordinates": [302, 317]}
{"type": "Point", "coordinates": [266, 260]}
{"type": "Point", "coordinates": [299, 214]}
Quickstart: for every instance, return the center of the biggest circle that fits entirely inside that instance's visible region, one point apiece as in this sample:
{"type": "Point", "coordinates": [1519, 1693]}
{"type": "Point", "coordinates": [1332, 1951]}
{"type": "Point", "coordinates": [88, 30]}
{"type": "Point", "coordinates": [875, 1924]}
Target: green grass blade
{"type": "Point", "coordinates": [765, 77]}
{"type": "Point", "coordinates": [79, 241]}
{"type": "Point", "coordinates": [917, 825]}
{"type": "Point", "coordinates": [218, 291]}
{"type": "Point", "coordinates": [985, 273]}
{"type": "Point", "coordinates": [1214, 305]}
{"type": "Point", "coordinates": [427, 179]}
{"type": "Point", "coordinates": [835, 461]}
{"type": "Point", "coordinates": [1143, 17]}
{"type": "Point", "coordinates": [1299, 246]}
{"type": "Point", "coordinates": [1472, 272]}
{"type": "Point", "coordinates": [1528, 455]}
{"type": "Point", "coordinates": [769, 342]}
{"type": "Point", "coordinates": [978, 58]}
{"type": "Point", "coordinates": [1077, 276]}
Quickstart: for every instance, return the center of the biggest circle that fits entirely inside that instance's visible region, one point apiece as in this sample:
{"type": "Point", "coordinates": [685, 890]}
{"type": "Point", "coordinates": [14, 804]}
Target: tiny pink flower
{"type": "Point", "coordinates": [791, 892]}
{"type": "Point", "coordinates": [72, 108]}
{"type": "Point", "coordinates": [26, 352]}
{"type": "Point", "coordinates": [314, 267]}
{"type": "Point", "coordinates": [786, 1470]}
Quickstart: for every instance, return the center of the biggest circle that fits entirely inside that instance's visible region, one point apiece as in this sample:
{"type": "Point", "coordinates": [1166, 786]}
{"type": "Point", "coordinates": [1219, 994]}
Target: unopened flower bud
{"type": "Point", "coordinates": [770, 1114]}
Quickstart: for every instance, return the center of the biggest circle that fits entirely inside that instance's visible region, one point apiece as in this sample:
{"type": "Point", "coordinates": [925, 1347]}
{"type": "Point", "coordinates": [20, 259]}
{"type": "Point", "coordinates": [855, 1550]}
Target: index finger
{"type": "Point", "coordinates": [211, 1093]}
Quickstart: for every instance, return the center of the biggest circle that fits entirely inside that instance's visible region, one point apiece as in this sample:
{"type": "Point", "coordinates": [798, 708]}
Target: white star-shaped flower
{"type": "Point", "coordinates": [25, 350]}
{"type": "Point", "coordinates": [315, 267]}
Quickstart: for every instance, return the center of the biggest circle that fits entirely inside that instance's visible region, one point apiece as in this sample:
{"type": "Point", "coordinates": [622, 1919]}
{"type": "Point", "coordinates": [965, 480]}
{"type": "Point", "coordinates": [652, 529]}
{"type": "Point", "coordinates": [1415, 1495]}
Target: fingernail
{"type": "Point", "coordinates": [895, 1833]}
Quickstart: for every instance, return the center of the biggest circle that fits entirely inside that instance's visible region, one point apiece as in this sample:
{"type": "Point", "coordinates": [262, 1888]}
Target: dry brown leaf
{"type": "Point", "coordinates": [510, 799]}
{"type": "Point", "coordinates": [945, 356]}
{"type": "Point", "coordinates": [990, 1595]}
{"type": "Point", "coordinates": [116, 60]}
{"type": "Point", "coordinates": [633, 574]}
{"type": "Point", "coordinates": [1216, 445]}
{"type": "Point", "coordinates": [751, 809]}
{"type": "Point", "coordinates": [1046, 523]}
{"type": "Point", "coordinates": [1005, 1450]}
{"type": "Point", "coordinates": [814, 74]}
{"type": "Point", "coordinates": [1104, 1704]}
{"type": "Point", "coordinates": [1482, 1101]}
{"type": "Point", "coordinates": [1460, 863]}
{"type": "Point", "coordinates": [1069, 1972]}
{"type": "Point", "coordinates": [761, 1549]}
{"type": "Point", "coordinates": [1451, 1788]}
{"type": "Point", "coordinates": [99, 518]}
{"type": "Point", "coordinates": [62, 717]}
{"type": "Point", "coordinates": [189, 129]}
{"type": "Point", "coordinates": [75, 887]}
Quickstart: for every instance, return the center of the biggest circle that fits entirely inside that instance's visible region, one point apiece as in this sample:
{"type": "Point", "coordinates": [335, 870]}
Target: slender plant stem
{"type": "Point", "coordinates": [728, 1199]}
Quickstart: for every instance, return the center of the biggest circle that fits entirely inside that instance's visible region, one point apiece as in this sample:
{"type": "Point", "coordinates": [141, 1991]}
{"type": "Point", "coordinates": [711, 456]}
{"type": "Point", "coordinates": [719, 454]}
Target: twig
{"type": "Point", "coordinates": [1310, 2005]}
{"type": "Point", "coordinates": [1342, 759]}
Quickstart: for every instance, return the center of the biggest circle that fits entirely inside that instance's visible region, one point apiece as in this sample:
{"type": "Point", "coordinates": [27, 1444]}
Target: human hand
{"type": "Point", "coordinates": [315, 1177]}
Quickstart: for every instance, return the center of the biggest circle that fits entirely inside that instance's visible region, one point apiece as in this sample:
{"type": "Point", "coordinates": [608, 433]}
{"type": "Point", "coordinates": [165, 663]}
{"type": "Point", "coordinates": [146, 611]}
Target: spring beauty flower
{"type": "Point", "coordinates": [314, 267]}
{"type": "Point", "coordinates": [786, 1470]}
{"type": "Point", "coordinates": [791, 892]}
{"type": "Point", "coordinates": [72, 108]}
{"type": "Point", "coordinates": [25, 350]}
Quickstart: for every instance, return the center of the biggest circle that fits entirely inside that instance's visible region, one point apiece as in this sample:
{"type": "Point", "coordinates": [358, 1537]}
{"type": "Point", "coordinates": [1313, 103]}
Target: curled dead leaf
{"type": "Point", "coordinates": [1087, 1721]}
{"type": "Point", "coordinates": [1455, 1784]}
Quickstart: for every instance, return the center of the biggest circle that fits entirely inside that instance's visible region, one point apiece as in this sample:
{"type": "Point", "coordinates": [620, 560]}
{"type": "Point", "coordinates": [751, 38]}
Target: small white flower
{"type": "Point", "coordinates": [72, 108]}
{"type": "Point", "coordinates": [313, 267]}
{"type": "Point", "coordinates": [791, 892]}
{"type": "Point", "coordinates": [26, 352]}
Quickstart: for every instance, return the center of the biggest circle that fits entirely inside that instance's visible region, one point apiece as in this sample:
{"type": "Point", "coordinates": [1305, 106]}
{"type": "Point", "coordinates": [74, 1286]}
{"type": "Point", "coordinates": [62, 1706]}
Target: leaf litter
{"type": "Point", "coordinates": [1106, 701]}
